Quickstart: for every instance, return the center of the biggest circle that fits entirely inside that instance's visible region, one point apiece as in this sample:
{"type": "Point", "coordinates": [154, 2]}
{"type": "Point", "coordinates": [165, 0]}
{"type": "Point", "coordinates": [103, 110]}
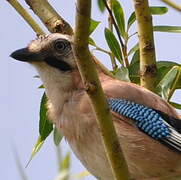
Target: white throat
{"type": "Point", "coordinates": [58, 87]}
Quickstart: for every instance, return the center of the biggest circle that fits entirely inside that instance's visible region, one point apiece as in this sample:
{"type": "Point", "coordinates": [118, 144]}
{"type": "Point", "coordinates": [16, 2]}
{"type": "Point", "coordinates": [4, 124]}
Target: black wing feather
{"type": "Point", "coordinates": [175, 123]}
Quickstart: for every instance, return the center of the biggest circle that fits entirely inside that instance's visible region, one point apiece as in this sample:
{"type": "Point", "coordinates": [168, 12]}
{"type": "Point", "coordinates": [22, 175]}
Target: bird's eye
{"type": "Point", "coordinates": [62, 46]}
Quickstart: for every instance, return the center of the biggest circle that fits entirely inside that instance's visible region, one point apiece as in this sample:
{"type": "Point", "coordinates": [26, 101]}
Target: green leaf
{"type": "Point", "coordinates": [45, 126]}
{"type": "Point", "coordinates": [135, 58]}
{"type": "Point", "coordinates": [158, 10]}
{"type": "Point", "coordinates": [101, 5]}
{"type": "Point", "coordinates": [65, 163]}
{"type": "Point", "coordinates": [91, 42]}
{"type": "Point", "coordinates": [133, 49]}
{"type": "Point", "coordinates": [134, 68]}
{"type": "Point", "coordinates": [178, 83]}
{"type": "Point", "coordinates": [166, 84]}
{"type": "Point", "coordinates": [163, 67]}
{"type": "Point", "coordinates": [57, 136]}
{"type": "Point", "coordinates": [155, 10]}
{"type": "Point", "coordinates": [131, 20]}
{"type": "Point", "coordinates": [41, 87]}
{"type": "Point", "coordinates": [93, 26]}
{"type": "Point", "coordinates": [169, 29]}
{"type": "Point", "coordinates": [113, 44]}
{"type": "Point", "coordinates": [175, 105]}
{"type": "Point", "coordinates": [119, 16]}
{"type": "Point", "coordinates": [37, 146]}
{"type": "Point", "coordinates": [122, 74]}
{"type": "Point", "coordinates": [36, 149]}
{"type": "Point", "coordinates": [168, 64]}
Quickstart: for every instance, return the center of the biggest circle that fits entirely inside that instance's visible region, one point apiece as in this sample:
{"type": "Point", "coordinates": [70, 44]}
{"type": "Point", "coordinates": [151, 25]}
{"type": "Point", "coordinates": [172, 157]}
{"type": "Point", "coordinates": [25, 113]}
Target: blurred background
{"type": "Point", "coordinates": [20, 96]}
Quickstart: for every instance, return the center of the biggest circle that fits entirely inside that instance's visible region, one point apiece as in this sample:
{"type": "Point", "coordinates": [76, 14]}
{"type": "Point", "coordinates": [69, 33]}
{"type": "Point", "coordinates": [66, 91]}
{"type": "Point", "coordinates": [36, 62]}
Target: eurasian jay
{"type": "Point", "coordinates": [149, 129]}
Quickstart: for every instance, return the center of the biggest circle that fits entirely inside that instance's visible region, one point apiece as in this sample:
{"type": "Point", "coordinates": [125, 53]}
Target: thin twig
{"type": "Point", "coordinates": [172, 4]}
{"type": "Point", "coordinates": [27, 17]}
{"type": "Point", "coordinates": [94, 90]}
{"type": "Point", "coordinates": [132, 35]}
{"type": "Point", "coordinates": [50, 18]}
{"type": "Point", "coordinates": [102, 50]}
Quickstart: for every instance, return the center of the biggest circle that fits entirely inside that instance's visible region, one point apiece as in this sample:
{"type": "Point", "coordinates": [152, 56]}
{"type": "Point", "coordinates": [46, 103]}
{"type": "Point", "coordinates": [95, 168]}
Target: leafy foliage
{"type": "Point", "coordinates": [168, 83]}
{"type": "Point", "coordinates": [155, 10]}
{"type": "Point", "coordinates": [168, 73]}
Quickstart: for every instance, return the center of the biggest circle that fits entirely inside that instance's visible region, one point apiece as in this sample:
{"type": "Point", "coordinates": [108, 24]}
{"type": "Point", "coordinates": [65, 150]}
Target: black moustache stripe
{"type": "Point", "coordinates": [58, 63]}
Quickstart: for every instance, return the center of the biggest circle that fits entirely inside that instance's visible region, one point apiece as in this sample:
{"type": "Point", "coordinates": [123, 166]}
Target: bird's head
{"type": "Point", "coordinates": [52, 50]}
{"type": "Point", "coordinates": [53, 58]}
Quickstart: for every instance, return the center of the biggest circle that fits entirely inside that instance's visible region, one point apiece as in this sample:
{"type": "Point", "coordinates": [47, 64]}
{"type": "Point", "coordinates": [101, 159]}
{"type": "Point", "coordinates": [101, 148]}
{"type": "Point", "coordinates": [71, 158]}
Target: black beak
{"type": "Point", "coordinates": [25, 55]}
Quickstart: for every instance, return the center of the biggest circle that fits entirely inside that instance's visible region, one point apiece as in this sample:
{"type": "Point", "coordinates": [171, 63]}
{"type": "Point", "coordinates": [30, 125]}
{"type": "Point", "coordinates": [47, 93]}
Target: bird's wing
{"type": "Point", "coordinates": [154, 123]}
{"type": "Point", "coordinates": [132, 92]}
{"type": "Point", "coordinates": [150, 113]}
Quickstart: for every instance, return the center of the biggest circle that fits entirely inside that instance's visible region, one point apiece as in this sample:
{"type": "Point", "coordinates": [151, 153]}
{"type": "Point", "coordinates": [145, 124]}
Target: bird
{"type": "Point", "coordinates": [148, 128]}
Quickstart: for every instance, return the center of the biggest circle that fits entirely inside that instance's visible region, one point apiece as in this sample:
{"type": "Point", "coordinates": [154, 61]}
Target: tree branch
{"type": "Point", "coordinates": [146, 44]}
{"type": "Point", "coordinates": [172, 4]}
{"type": "Point", "coordinates": [51, 19]}
{"type": "Point", "coordinates": [95, 92]}
{"type": "Point", "coordinates": [26, 17]}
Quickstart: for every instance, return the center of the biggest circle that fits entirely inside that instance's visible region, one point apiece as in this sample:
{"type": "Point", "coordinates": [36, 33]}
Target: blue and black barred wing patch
{"type": "Point", "coordinates": [154, 123]}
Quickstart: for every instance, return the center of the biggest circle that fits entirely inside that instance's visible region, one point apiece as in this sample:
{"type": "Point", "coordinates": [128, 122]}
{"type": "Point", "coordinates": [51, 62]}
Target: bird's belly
{"type": "Point", "coordinates": [84, 139]}
{"type": "Point", "coordinates": [95, 163]}
{"type": "Point", "coordinates": [146, 160]}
